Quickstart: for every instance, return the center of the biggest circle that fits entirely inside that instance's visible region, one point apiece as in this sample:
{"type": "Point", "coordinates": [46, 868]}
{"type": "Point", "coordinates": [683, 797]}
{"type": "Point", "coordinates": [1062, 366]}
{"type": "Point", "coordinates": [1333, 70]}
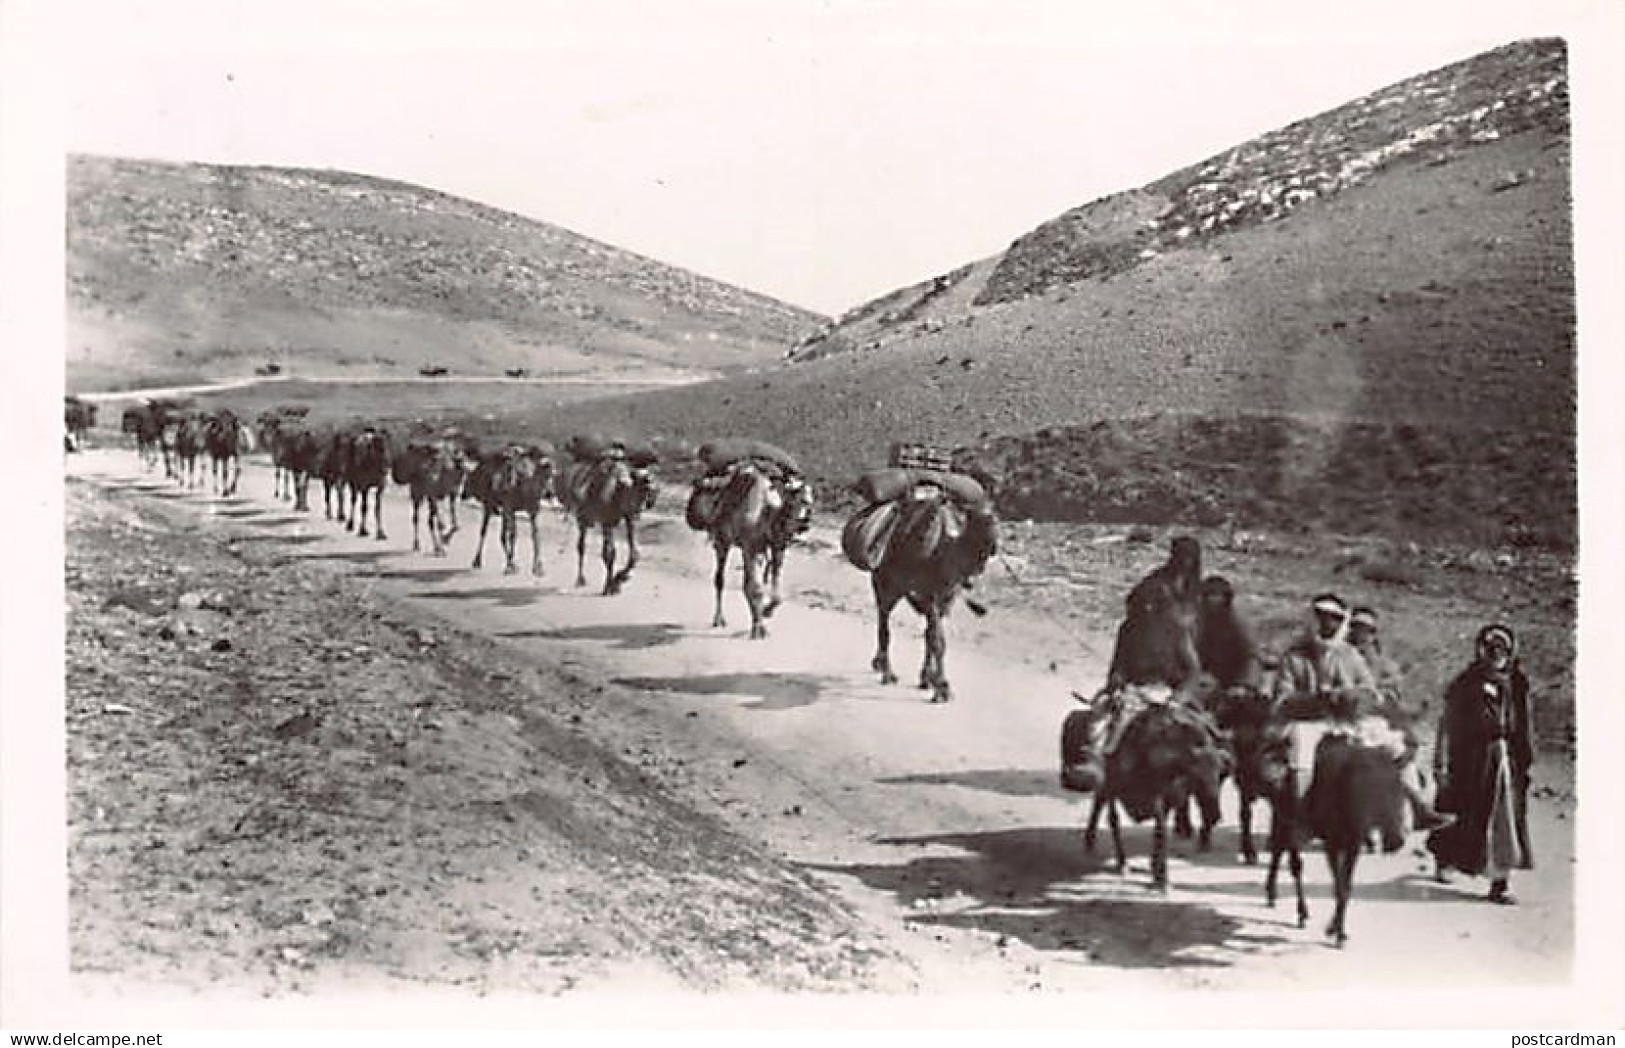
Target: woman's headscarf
{"type": "Point", "coordinates": [1497, 635]}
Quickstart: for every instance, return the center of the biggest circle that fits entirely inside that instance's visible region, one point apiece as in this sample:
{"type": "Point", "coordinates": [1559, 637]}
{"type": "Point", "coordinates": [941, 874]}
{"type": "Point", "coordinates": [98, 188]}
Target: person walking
{"type": "Point", "coordinates": [1482, 761]}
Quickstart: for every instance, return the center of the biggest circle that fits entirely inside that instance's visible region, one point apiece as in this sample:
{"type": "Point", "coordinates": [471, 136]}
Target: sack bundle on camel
{"type": "Point", "coordinates": [867, 536]}
{"type": "Point", "coordinates": [592, 459]}
{"type": "Point", "coordinates": [723, 461]}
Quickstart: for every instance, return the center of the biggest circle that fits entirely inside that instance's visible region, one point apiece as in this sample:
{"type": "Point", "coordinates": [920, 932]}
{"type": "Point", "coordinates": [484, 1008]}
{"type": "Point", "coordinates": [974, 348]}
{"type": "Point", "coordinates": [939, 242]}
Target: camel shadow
{"type": "Point", "coordinates": [1039, 885]}
{"type": "Point", "coordinates": [627, 637]}
{"type": "Point", "coordinates": [360, 556]}
{"type": "Point", "coordinates": [774, 691]}
{"type": "Point", "coordinates": [1011, 782]}
{"type": "Point", "coordinates": [247, 511]}
{"type": "Point", "coordinates": [420, 574]}
{"type": "Point", "coordinates": [508, 597]}
{"type": "Point", "coordinates": [294, 539]}
{"type": "Point", "coordinates": [269, 522]}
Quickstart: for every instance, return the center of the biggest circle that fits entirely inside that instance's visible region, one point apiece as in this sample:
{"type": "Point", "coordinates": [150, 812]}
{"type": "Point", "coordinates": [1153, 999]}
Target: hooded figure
{"type": "Point", "coordinates": [1224, 643]}
{"type": "Point", "coordinates": [1482, 761]}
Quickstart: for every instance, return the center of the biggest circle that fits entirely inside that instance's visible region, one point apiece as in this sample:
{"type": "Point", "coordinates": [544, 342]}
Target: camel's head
{"type": "Point", "coordinates": [642, 481]}
{"type": "Point", "coordinates": [798, 506]}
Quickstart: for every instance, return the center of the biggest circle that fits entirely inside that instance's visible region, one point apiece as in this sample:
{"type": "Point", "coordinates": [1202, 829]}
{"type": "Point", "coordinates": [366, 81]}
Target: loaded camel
{"type": "Point", "coordinates": [751, 498]}
{"type": "Point", "coordinates": [607, 486]}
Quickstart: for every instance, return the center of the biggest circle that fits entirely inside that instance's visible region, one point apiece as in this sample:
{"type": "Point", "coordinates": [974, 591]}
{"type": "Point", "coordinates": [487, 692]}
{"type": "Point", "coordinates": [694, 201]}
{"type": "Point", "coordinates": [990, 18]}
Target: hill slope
{"type": "Point", "coordinates": [182, 272]}
{"type": "Point", "coordinates": [1364, 320]}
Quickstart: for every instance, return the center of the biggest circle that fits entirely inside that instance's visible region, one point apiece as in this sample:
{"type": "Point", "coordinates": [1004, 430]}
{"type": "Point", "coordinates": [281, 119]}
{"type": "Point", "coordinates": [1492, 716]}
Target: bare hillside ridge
{"type": "Point", "coordinates": [198, 269]}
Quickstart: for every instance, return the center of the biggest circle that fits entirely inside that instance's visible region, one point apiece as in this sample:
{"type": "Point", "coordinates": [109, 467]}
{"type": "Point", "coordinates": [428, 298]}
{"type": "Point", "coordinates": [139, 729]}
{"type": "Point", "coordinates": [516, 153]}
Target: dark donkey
{"type": "Point", "coordinates": [611, 491]}
{"type": "Point", "coordinates": [935, 549]}
{"type": "Point", "coordinates": [1355, 793]}
{"type": "Point", "coordinates": [761, 517]}
{"type": "Point", "coordinates": [1256, 743]}
{"type": "Point", "coordinates": [1149, 755]}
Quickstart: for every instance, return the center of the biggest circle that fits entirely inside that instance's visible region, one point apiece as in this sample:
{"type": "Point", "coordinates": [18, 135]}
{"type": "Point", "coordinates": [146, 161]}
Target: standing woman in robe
{"type": "Point", "coordinates": [1482, 762]}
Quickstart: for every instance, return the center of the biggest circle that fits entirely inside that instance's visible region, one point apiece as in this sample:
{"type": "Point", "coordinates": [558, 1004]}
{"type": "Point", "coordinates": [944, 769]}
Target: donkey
{"type": "Point", "coordinates": [1149, 757]}
{"type": "Point", "coordinates": [1244, 714]}
{"type": "Point", "coordinates": [607, 493]}
{"type": "Point", "coordinates": [226, 439]}
{"type": "Point", "coordinates": [935, 549]}
{"type": "Point", "coordinates": [509, 482]}
{"type": "Point", "coordinates": [761, 518]}
{"type": "Point", "coordinates": [366, 470]}
{"type": "Point", "coordinates": [432, 472]}
{"type": "Point", "coordinates": [1355, 792]}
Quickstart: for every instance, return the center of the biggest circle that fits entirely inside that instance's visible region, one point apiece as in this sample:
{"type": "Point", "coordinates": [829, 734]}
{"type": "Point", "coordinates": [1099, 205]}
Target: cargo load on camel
{"type": "Point", "coordinates": [592, 458]}
{"type": "Point", "coordinates": [723, 461]}
{"type": "Point", "coordinates": [868, 535]}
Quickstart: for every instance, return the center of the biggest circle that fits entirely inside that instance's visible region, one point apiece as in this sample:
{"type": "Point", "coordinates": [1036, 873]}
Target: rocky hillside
{"type": "Point", "coordinates": [1429, 119]}
{"type": "Point", "coordinates": [1246, 339]}
{"type": "Point", "coordinates": [180, 272]}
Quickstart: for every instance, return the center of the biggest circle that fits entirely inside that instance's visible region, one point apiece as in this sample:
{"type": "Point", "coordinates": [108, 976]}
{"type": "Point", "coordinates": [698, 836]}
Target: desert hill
{"type": "Point", "coordinates": [191, 272]}
{"type": "Point", "coordinates": [1365, 320]}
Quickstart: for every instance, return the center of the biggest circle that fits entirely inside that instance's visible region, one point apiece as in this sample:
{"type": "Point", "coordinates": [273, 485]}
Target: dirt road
{"type": "Point", "coordinates": [941, 828]}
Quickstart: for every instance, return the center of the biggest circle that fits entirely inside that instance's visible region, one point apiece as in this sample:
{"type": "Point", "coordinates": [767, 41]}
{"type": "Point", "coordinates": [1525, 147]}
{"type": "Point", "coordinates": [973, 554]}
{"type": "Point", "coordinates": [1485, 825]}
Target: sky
{"type": "Point", "coordinates": [820, 152]}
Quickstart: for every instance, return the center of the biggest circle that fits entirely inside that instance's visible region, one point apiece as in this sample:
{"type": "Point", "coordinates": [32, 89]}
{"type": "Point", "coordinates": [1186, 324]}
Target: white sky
{"type": "Point", "coordinates": [822, 152]}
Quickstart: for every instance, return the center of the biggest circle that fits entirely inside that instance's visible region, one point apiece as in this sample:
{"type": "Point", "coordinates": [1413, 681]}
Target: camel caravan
{"type": "Point", "coordinates": [1189, 702]}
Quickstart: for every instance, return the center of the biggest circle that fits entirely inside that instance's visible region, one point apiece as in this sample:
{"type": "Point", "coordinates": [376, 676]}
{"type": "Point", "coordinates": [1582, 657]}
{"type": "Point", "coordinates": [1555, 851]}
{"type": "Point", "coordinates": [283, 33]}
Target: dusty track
{"type": "Point", "coordinates": [942, 827]}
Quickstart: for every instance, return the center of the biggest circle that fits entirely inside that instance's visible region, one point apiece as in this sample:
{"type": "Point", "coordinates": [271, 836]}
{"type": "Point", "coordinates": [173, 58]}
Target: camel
{"type": "Point", "coordinates": [268, 430]}
{"type": "Point", "coordinates": [761, 518]}
{"type": "Point", "coordinates": [432, 472]}
{"type": "Point", "coordinates": [77, 418]}
{"type": "Point", "coordinates": [1148, 755]}
{"type": "Point", "coordinates": [144, 424]}
{"type": "Point", "coordinates": [226, 439]}
{"type": "Point", "coordinates": [509, 482]}
{"type": "Point", "coordinates": [272, 429]}
{"type": "Point", "coordinates": [298, 452]}
{"type": "Point", "coordinates": [366, 470]}
{"type": "Point", "coordinates": [609, 491]}
{"type": "Point", "coordinates": [186, 436]}
{"type": "Point", "coordinates": [328, 465]}
{"type": "Point", "coordinates": [935, 549]}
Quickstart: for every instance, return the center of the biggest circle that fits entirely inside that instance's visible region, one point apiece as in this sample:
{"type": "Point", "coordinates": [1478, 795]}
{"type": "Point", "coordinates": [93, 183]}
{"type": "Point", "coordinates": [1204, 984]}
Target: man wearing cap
{"type": "Point", "coordinates": [1321, 677]}
{"type": "Point", "coordinates": [1363, 636]}
{"type": "Point", "coordinates": [1379, 730]}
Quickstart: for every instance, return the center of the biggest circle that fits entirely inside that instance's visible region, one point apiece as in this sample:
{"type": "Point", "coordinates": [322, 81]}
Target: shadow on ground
{"type": "Point", "coordinates": [1038, 885]}
{"type": "Point", "coordinates": [774, 691]}
{"type": "Point", "coordinates": [359, 556]}
{"type": "Point", "coordinates": [1012, 782]}
{"type": "Point", "coordinates": [295, 539]}
{"type": "Point", "coordinates": [508, 597]}
{"type": "Point", "coordinates": [422, 574]}
{"type": "Point", "coordinates": [271, 522]}
{"type": "Point", "coordinates": [628, 637]}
